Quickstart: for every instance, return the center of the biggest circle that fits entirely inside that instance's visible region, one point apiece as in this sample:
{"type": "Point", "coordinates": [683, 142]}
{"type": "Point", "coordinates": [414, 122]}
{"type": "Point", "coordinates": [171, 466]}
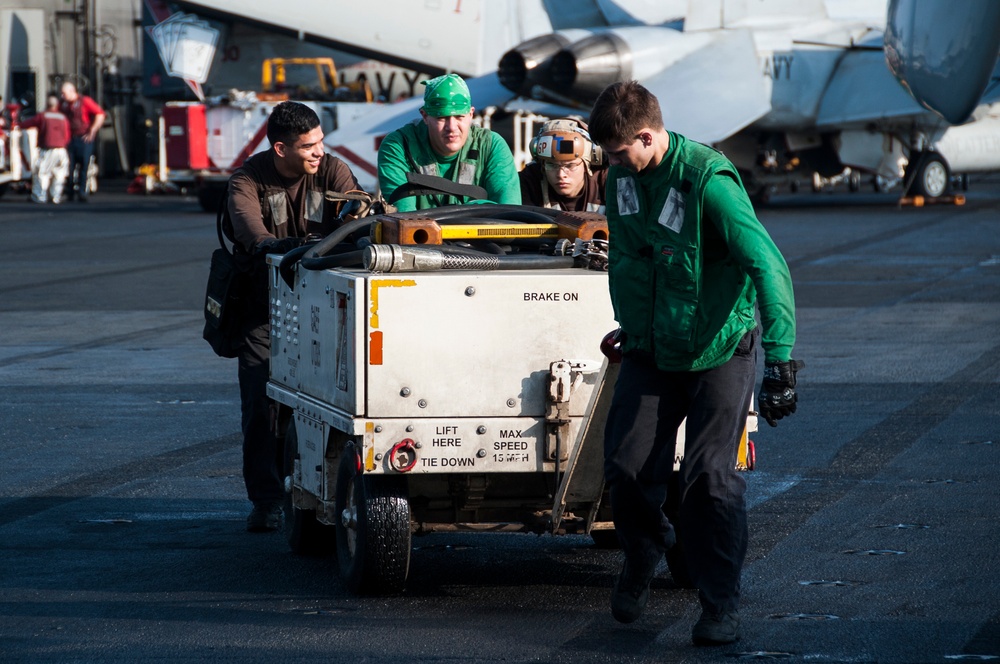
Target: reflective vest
{"type": "Point", "coordinates": [467, 167]}
{"type": "Point", "coordinates": [688, 310]}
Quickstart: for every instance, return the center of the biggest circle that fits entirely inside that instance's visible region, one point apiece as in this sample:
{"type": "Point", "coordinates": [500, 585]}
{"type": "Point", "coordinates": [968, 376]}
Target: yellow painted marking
{"type": "Point", "coordinates": [743, 454]}
{"type": "Point", "coordinates": [376, 284]}
{"type": "Point", "coordinates": [491, 231]}
{"type": "Point", "coordinates": [369, 446]}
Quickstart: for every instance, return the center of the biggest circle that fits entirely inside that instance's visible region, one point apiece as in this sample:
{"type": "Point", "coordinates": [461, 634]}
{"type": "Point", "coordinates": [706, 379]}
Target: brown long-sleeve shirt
{"type": "Point", "coordinates": [265, 205]}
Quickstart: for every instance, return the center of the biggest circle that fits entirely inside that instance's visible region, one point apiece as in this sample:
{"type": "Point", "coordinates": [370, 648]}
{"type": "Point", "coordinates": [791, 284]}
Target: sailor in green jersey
{"type": "Point", "coordinates": [688, 264]}
{"type": "Point", "coordinates": [445, 143]}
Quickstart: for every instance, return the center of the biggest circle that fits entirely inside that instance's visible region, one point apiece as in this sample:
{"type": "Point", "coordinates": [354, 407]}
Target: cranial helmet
{"type": "Point", "coordinates": [565, 139]}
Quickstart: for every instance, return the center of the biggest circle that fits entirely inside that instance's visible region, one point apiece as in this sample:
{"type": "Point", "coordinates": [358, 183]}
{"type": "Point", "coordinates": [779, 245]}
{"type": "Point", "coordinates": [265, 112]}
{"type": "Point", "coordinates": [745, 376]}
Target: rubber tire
{"type": "Point", "coordinates": [373, 529]}
{"type": "Point", "coordinates": [305, 535]}
{"type": "Point", "coordinates": [676, 562]}
{"type": "Point", "coordinates": [854, 181]}
{"type": "Point", "coordinates": [933, 177]}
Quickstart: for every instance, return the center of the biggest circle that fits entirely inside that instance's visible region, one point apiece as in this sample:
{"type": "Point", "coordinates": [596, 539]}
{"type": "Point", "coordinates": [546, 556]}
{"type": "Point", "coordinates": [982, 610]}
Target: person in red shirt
{"type": "Point", "coordinates": [85, 119]}
{"type": "Point", "coordinates": [52, 165]}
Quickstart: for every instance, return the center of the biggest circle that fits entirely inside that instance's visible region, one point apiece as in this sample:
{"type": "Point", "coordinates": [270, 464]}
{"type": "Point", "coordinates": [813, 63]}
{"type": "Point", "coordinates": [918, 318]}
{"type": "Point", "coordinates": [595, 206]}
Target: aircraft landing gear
{"type": "Point", "coordinates": [928, 175]}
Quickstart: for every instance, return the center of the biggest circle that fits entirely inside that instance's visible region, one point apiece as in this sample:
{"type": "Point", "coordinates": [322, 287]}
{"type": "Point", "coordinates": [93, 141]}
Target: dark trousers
{"type": "Point", "coordinates": [80, 152]}
{"type": "Point", "coordinates": [640, 439]}
{"type": "Point", "coordinates": [262, 455]}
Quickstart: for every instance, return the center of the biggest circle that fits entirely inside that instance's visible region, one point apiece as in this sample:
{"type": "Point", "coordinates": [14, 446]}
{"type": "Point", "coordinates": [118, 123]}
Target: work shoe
{"type": "Point", "coordinates": [632, 588]}
{"type": "Point", "coordinates": [264, 518]}
{"type": "Point", "coordinates": [716, 630]}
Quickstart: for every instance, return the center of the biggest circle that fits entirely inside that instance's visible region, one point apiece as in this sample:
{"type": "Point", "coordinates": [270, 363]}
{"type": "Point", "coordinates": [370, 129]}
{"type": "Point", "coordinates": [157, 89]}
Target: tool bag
{"type": "Point", "coordinates": [226, 293]}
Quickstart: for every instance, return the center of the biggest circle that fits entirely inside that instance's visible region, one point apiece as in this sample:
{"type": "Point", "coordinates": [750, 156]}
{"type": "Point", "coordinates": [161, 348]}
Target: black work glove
{"type": "Point", "coordinates": [276, 246]}
{"type": "Point", "coordinates": [777, 390]}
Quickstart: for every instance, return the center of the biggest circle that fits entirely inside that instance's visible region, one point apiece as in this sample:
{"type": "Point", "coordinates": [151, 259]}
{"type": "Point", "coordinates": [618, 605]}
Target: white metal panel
{"type": "Point", "coordinates": [466, 37]}
{"type": "Point", "coordinates": [312, 437]}
{"type": "Point", "coordinates": [329, 349]}
{"type": "Point", "coordinates": [464, 444]}
{"type": "Point", "coordinates": [974, 146]}
{"type": "Point", "coordinates": [480, 343]}
{"type": "Point", "coordinates": [690, 90]}
{"type": "Point", "coordinates": [231, 128]}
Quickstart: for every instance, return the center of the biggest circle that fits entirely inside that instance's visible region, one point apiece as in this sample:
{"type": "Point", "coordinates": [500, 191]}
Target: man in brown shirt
{"type": "Point", "coordinates": [276, 199]}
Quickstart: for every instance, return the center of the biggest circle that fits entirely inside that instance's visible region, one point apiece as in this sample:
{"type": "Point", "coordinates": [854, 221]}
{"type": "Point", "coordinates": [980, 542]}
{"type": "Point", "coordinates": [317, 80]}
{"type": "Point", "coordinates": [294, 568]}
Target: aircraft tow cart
{"type": "Point", "coordinates": [447, 377]}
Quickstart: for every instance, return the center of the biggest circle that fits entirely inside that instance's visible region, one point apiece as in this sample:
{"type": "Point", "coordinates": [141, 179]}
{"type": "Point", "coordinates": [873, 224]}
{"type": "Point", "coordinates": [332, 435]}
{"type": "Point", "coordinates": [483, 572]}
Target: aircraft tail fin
{"type": "Point", "coordinates": [715, 14]}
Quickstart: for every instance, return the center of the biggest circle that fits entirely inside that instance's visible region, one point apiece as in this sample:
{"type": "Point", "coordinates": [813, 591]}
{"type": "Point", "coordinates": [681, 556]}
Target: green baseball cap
{"type": "Point", "coordinates": [446, 95]}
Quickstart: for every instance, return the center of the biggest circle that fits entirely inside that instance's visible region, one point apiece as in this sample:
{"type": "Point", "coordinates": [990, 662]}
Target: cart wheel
{"type": "Point", "coordinates": [675, 556]}
{"type": "Point", "coordinates": [306, 536]}
{"type": "Point", "coordinates": [373, 529]}
{"type": "Point", "coordinates": [751, 455]}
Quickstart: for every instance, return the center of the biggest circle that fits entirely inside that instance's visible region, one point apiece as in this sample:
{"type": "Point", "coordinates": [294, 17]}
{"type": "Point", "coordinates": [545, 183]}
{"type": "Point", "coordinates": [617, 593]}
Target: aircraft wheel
{"type": "Point", "coordinates": [92, 173]}
{"type": "Point", "coordinates": [854, 181]}
{"type": "Point", "coordinates": [373, 529]}
{"type": "Point", "coordinates": [932, 177]}
{"type": "Point", "coordinates": [817, 183]}
{"type": "Point", "coordinates": [306, 536]}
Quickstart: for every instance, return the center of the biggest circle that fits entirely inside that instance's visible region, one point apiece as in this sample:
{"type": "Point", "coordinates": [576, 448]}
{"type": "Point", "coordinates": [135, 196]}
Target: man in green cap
{"type": "Point", "coordinates": [445, 143]}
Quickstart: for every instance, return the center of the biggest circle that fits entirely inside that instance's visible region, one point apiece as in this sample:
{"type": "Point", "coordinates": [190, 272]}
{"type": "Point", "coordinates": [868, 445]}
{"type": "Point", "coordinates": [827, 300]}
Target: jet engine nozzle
{"type": "Point", "coordinates": [588, 66]}
{"type": "Point", "coordinates": [524, 66]}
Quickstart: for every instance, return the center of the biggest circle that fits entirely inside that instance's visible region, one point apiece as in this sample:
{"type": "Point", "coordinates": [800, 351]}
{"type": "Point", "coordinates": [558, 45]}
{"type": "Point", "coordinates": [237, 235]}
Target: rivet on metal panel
{"type": "Point", "coordinates": [409, 428]}
{"type": "Point", "coordinates": [378, 428]}
{"type": "Point", "coordinates": [422, 403]}
{"type": "Point", "coordinates": [481, 453]}
{"type": "Point", "coordinates": [511, 403]}
{"type": "Point", "coordinates": [405, 392]}
{"type": "Point", "coordinates": [378, 457]}
{"type": "Point", "coordinates": [480, 430]}
{"type": "Point", "coordinates": [470, 291]}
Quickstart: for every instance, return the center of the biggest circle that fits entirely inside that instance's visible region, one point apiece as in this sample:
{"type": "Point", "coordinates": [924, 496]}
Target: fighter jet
{"type": "Point", "coordinates": [943, 57]}
{"type": "Point", "coordinates": [783, 88]}
{"type": "Point", "coordinates": [786, 88]}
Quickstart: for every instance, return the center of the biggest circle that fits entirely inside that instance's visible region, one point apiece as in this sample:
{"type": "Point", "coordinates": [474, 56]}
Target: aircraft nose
{"type": "Point", "coordinates": [944, 57]}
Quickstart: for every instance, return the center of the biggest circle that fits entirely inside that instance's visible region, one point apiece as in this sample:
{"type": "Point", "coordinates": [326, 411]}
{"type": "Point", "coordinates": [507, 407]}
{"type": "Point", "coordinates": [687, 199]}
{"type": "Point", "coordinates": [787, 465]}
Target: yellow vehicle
{"type": "Point", "coordinates": [275, 85]}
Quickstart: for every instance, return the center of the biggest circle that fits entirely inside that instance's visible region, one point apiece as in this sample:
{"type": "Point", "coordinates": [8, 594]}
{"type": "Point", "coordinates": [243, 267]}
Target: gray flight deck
{"type": "Point", "coordinates": [875, 511]}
